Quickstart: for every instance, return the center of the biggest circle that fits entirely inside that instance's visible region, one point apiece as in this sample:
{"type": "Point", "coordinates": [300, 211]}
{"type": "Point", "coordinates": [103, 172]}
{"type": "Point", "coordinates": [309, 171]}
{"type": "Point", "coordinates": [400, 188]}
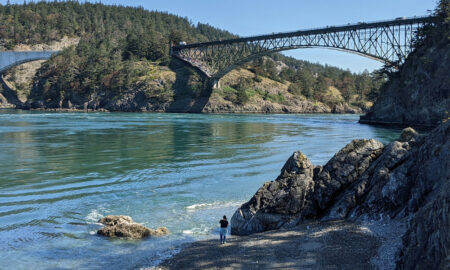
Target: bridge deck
{"type": "Point", "coordinates": [324, 30]}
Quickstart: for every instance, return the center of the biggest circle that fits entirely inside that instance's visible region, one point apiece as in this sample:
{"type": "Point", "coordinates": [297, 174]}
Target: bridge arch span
{"type": "Point", "coordinates": [389, 42]}
{"type": "Point", "coordinates": [223, 72]}
{"type": "Point", "coordinates": [11, 59]}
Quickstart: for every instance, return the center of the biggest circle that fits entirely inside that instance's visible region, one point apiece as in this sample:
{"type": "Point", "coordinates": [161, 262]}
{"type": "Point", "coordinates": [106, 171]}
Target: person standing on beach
{"type": "Point", "coordinates": [223, 229]}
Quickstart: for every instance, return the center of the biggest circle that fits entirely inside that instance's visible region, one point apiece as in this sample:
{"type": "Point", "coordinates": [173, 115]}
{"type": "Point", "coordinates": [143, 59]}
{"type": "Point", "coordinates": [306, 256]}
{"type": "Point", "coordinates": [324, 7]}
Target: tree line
{"type": "Point", "coordinates": [114, 40]}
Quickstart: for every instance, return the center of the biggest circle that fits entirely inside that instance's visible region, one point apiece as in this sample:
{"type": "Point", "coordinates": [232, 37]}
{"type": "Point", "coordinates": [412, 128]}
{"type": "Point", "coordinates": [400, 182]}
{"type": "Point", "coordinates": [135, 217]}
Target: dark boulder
{"type": "Point", "coordinates": [344, 169]}
{"type": "Point", "coordinates": [278, 202]}
{"type": "Point", "coordinates": [302, 190]}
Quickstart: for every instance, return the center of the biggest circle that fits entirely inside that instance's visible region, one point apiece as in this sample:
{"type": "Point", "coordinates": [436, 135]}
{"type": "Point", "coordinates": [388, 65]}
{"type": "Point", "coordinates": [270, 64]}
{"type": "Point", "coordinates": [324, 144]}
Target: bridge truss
{"type": "Point", "coordinates": [388, 41]}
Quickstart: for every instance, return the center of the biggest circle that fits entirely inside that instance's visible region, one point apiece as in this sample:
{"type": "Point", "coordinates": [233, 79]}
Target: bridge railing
{"type": "Point", "coordinates": [396, 21]}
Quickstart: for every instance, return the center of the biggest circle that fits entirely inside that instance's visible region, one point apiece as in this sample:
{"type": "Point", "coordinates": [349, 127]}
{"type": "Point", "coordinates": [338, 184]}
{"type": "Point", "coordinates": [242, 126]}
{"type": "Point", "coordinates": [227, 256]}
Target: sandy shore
{"type": "Point", "coordinates": [315, 245]}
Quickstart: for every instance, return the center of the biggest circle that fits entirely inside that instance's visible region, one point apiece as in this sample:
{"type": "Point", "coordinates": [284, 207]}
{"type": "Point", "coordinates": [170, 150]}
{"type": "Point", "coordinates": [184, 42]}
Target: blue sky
{"type": "Point", "coordinates": [251, 17]}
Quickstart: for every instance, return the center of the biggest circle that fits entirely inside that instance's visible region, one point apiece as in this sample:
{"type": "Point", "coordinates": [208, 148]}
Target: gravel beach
{"type": "Point", "coordinates": [314, 245]}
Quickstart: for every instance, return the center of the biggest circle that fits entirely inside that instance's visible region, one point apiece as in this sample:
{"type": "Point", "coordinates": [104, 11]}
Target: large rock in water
{"type": "Point", "coordinates": [124, 226]}
{"type": "Point", "coordinates": [302, 190]}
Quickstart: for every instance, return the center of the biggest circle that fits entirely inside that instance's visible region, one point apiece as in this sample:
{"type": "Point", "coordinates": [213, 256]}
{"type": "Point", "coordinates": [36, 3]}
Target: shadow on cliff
{"type": "Point", "coordinates": [192, 90]}
{"type": "Point", "coordinates": [9, 94]}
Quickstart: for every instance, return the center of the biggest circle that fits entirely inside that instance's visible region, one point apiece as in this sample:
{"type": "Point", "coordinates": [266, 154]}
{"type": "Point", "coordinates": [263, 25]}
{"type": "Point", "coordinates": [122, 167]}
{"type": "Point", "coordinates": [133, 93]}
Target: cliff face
{"type": "Point", "coordinates": [418, 94]}
{"type": "Point", "coordinates": [407, 179]}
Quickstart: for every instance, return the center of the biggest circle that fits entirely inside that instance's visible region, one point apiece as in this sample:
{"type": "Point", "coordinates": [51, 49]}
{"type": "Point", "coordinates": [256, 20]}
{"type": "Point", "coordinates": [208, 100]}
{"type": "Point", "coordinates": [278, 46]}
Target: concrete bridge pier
{"type": "Point", "coordinates": [214, 83]}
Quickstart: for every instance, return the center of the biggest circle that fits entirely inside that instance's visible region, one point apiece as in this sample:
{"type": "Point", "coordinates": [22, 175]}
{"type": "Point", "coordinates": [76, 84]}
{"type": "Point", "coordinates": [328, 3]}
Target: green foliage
{"type": "Point", "coordinates": [242, 96]}
{"type": "Point", "coordinates": [276, 98]}
{"type": "Point", "coordinates": [229, 93]}
{"type": "Point", "coordinates": [295, 88]}
{"type": "Point", "coordinates": [242, 91]}
{"type": "Point", "coordinates": [113, 56]}
{"type": "Point", "coordinates": [149, 45]}
{"type": "Point", "coordinates": [432, 33]}
{"type": "Point", "coordinates": [42, 22]}
{"type": "Point", "coordinates": [258, 79]}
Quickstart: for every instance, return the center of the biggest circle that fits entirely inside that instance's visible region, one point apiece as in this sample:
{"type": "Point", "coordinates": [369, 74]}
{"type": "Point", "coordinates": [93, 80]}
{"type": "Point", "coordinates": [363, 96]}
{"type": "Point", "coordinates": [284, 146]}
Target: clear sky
{"type": "Point", "coordinates": [252, 17]}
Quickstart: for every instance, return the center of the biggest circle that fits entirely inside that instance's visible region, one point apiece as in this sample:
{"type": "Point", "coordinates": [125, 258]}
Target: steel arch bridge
{"type": "Point", "coordinates": [387, 41]}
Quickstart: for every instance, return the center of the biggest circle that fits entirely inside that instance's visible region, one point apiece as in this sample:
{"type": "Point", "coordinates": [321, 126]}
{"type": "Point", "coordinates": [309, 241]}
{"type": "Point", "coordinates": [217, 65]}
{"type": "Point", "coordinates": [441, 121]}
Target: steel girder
{"type": "Point", "coordinates": [389, 42]}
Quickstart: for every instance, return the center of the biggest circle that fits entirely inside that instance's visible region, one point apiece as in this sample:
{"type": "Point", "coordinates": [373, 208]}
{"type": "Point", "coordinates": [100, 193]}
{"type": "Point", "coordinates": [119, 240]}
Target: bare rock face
{"type": "Point", "coordinates": [380, 188]}
{"type": "Point", "coordinates": [427, 240]}
{"type": "Point", "coordinates": [402, 180]}
{"type": "Point", "coordinates": [124, 226]}
{"type": "Point", "coordinates": [279, 201]}
{"type": "Point", "coordinates": [345, 108]}
{"type": "Point", "coordinates": [302, 190]}
{"type": "Point", "coordinates": [419, 93]}
{"type": "Point", "coordinates": [344, 169]}
{"type": "Point", "coordinates": [426, 244]}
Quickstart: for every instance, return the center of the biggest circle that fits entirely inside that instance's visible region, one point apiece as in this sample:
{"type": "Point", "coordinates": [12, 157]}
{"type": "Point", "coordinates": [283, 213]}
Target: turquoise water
{"type": "Point", "coordinates": [61, 172]}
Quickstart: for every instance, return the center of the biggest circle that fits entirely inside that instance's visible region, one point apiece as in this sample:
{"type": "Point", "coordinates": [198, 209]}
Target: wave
{"type": "Point", "coordinates": [94, 216]}
{"type": "Point", "coordinates": [213, 205]}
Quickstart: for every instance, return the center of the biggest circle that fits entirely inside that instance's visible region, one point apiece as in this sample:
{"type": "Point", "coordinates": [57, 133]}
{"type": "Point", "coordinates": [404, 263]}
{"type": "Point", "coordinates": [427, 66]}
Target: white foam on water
{"type": "Point", "coordinates": [94, 216]}
{"type": "Point", "coordinates": [188, 232]}
{"type": "Point", "coordinates": [213, 205]}
{"type": "Point", "coordinates": [203, 230]}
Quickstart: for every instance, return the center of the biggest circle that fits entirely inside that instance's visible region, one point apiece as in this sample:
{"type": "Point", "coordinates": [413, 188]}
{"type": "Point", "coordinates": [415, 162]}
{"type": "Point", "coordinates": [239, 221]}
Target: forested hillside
{"type": "Point", "coordinates": [122, 62]}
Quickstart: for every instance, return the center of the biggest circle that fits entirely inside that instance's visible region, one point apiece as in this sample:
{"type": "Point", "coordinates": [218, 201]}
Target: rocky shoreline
{"type": "Point", "coordinates": [406, 179]}
{"type": "Point", "coordinates": [404, 185]}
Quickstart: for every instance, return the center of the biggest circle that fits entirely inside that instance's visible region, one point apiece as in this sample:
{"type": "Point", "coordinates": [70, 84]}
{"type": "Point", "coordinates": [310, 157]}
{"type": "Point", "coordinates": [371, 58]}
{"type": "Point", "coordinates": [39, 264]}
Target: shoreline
{"type": "Point", "coordinates": [163, 111]}
{"type": "Point", "coordinates": [313, 244]}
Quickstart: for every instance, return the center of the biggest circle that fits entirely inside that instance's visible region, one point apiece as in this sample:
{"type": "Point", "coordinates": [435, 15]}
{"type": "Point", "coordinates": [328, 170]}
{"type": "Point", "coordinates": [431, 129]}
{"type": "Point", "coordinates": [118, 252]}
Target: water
{"type": "Point", "coordinates": [61, 172]}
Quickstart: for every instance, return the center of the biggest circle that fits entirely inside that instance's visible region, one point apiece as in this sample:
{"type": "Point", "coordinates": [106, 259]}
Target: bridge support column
{"type": "Point", "coordinates": [214, 83]}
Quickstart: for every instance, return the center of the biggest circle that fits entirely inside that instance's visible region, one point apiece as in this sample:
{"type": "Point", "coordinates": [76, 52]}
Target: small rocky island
{"type": "Point", "coordinates": [124, 226]}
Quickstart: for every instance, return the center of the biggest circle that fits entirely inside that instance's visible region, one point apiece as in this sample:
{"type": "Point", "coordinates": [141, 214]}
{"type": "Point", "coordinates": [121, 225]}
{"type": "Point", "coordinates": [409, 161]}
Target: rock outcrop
{"type": "Point", "coordinates": [124, 226]}
{"type": "Point", "coordinates": [407, 179]}
{"type": "Point", "coordinates": [302, 190]}
{"type": "Point", "coordinates": [345, 108]}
